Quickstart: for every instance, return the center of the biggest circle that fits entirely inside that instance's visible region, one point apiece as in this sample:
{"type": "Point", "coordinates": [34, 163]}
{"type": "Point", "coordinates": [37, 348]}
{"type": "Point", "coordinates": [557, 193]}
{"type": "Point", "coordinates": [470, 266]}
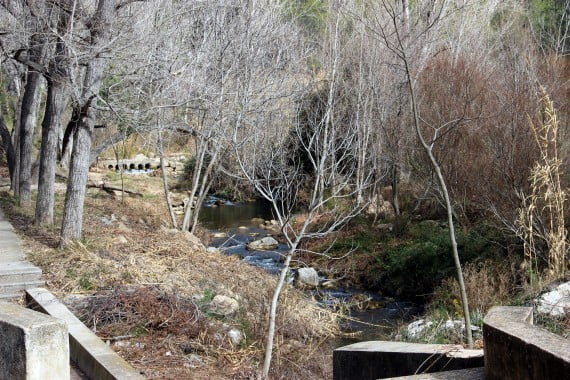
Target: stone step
{"type": "Point", "coordinates": [19, 271]}
{"type": "Point", "coordinates": [11, 296]}
{"type": "Point", "coordinates": [19, 265]}
{"type": "Point", "coordinates": [19, 286]}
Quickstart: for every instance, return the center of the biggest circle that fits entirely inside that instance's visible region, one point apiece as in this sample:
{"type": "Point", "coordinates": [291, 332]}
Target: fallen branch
{"type": "Point", "coordinates": [112, 189]}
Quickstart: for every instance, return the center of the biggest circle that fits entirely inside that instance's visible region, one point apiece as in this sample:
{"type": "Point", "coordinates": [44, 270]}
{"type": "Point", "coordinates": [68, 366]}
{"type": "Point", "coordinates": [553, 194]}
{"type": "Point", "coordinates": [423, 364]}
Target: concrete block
{"type": "Point", "coordinates": [381, 359]}
{"type": "Point", "coordinates": [33, 346]}
{"type": "Point", "coordinates": [87, 351]}
{"type": "Point", "coordinates": [516, 349]}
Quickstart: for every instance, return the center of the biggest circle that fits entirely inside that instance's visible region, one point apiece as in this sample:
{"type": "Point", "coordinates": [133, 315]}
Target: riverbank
{"type": "Point", "coordinates": [169, 306]}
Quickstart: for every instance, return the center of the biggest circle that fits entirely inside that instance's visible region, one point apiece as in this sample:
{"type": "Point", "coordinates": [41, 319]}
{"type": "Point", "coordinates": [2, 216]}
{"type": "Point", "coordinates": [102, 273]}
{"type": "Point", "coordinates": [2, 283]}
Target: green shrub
{"type": "Point", "coordinates": [412, 266]}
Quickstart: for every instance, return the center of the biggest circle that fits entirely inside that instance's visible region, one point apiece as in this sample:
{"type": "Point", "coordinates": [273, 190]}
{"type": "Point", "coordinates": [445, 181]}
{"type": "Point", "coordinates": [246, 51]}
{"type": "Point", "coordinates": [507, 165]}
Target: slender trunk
{"type": "Point", "coordinates": [15, 179]}
{"type": "Point", "coordinates": [395, 188]}
{"type": "Point", "coordinates": [165, 183]}
{"type": "Point", "coordinates": [27, 125]}
{"type": "Point", "coordinates": [198, 164]}
{"type": "Point", "coordinates": [273, 314]}
{"type": "Point", "coordinates": [443, 188]}
{"type": "Point", "coordinates": [200, 201]}
{"type": "Point", "coordinates": [204, 188]}
{"type": "Point", "coordinates": [55, 104]}
{"type": "Point", "coordinates": [328, 117]}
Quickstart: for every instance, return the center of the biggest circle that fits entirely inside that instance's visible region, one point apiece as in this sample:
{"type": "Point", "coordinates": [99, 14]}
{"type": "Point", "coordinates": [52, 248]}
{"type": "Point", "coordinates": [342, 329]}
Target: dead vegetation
{"type": "Point", "coordinates": [147, 289]}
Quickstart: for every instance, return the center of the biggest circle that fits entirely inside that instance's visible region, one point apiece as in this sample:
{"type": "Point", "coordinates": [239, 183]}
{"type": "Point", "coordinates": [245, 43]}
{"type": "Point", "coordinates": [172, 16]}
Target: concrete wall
{"type": "Point", "coordinates": [33, 346]}
{"type": "Point", "coordinates": [516, 349]}
{"type": "Point", "coordinates": [379, 359]}
{"type": "Point", "coordinates": [92, 356]}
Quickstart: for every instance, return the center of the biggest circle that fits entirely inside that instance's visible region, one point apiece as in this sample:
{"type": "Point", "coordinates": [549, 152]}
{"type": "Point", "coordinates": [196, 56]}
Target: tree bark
{"type": "Point", "coordinates": [55, 105]}
{"type": "Point", "coordinates": [8, 147]}
{"type": "Point", "coordinates": [82, 138]}
{"type": "Point", "coordinates": [27, 126]}
{"type": "Point", "coordinates": [395, 189]}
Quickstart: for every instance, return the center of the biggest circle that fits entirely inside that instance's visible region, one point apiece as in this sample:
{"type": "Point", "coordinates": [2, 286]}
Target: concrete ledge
{"type": "Point", "coordinates": [33, 346]}
{"type": "Point", "coordinates": [381, 359]}
{"type": "Point", "coordinates": [87, 351]}
{"type": "Point", "coordinates": [516, 349]}
{"type": "Point", "coordinates": [463, 374]}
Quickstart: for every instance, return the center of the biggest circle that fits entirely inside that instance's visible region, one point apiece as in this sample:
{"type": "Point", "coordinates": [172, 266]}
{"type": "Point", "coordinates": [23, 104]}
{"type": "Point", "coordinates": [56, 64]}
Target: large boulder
{"type": "Point", "coordinates": [308, 276]}
{"type": "Point", "coordinates": [223, 305]}
{"type": "Point", "coordinates": [556, 302]}
{"type": "Point", "coordinates": [265, 244]}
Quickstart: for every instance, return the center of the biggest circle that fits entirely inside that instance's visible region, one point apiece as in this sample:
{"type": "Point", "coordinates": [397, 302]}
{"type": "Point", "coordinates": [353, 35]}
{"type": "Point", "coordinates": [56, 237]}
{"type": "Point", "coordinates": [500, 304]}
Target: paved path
{"type": "Point", "coordinates": [16, 274]}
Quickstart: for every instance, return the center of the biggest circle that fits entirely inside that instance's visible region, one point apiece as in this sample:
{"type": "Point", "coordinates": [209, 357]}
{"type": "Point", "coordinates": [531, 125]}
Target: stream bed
{"type": "Point", "coordinates": [234, 225]}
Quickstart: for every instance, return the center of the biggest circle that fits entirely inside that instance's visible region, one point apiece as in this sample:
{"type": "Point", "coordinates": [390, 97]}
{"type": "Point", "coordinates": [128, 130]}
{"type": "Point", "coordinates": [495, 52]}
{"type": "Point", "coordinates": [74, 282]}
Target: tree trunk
{"type": "Point", "coordinates": [82, 138]}
{"type": "Point", "coordinates": [198, 165]}
{"type": "Point", "coordinates": [51, 125]}
{"type": "Point", "coordinates": [443, 187]}
{"type": "Point", "coordinates": [8, 147]}
{"type": "Point", "coordinates": [165, 183]}
{"type": "Point", "coordinates": [55, 104]}
{"type": "Point", "coordinates": [27, 125]}
{"type": "Point", "coordinates": [273, 314]}
{"type": "Point", "coordinates": [395, 189]}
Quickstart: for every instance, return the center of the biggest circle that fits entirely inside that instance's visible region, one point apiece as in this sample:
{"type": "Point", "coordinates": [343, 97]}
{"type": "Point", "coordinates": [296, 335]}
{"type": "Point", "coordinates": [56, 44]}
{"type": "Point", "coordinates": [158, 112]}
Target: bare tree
{"type": "Point", "coordinates": [408, 37]}
{"type": "Point", "coordinates": [99, 37]}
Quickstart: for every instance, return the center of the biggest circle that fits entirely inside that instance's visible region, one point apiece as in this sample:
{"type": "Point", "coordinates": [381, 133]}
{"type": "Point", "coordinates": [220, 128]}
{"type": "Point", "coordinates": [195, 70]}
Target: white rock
{"type": "Point", "coordinates": [265, 244]}
{"type": "Point", "coordinates": [556, 302]}
{"type": "Point", "coordinates": [415, 329]}
{"type": "Point", "coordinates": [308, 276]}
{"type": "Point", "coordinates": [235, 336]}
{"type": "Point", "coordinates": [223, 305]}
{"type": "Point", "coordinates": [458, 324]}
{"type": "Point", "coordinates": [213, 250]}
{"type": "Point", "coordinates": [193, 239]}
{"type": "Point", "coordinates": [121, 239]}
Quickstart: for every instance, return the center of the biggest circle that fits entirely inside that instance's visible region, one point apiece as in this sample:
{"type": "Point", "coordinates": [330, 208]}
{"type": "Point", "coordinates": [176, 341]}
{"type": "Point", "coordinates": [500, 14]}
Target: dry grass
{"type": "Point", "coordinates": [540, 220]}
{"type": "Point", "coordinates": [160, 259]}
{"type": "Point", "coordinates": [487, 284]}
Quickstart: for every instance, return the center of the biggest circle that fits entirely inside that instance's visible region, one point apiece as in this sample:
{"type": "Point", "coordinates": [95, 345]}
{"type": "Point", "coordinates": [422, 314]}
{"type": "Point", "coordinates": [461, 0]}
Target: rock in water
{"type": "Point", "coordinates": [223, 305]}
{"type": "Point", "coordinates": [264, 244]}
{"type": "Point", "coordinates": [308, 276]}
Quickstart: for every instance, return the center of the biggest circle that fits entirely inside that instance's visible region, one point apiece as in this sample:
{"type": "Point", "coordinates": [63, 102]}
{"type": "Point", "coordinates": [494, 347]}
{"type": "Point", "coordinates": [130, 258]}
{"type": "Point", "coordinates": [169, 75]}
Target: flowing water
{"type": "Point", "coordinates": [233, 225]}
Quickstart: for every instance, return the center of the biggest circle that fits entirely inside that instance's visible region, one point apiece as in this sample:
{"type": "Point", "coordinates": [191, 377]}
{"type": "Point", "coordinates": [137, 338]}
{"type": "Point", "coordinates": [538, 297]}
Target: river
{"type": "Point", "coordinates": [233, 225]}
